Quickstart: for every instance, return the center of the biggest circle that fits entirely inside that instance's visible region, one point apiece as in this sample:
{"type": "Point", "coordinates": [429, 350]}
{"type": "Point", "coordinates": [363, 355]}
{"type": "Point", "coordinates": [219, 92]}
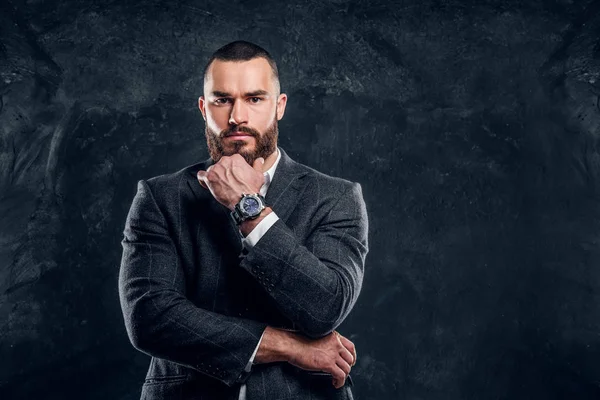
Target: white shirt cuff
{"type": "Point", "coordinates": [259, 230]}
{"type": "Point", "coordinates": [249, 365]}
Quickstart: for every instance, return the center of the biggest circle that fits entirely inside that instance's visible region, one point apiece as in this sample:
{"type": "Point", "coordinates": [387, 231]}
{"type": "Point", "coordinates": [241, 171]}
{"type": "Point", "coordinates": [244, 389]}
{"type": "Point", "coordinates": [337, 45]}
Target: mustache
{"type": "Point", "coordinates": [232, 131]}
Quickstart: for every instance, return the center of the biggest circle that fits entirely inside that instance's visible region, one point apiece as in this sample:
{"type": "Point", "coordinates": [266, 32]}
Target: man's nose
{"type": "Point", "coordinates": [239, 113]}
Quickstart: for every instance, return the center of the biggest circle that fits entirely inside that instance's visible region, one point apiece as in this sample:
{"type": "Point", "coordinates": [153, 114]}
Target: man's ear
{"type": "Point", "coordinates": [201, 104]}
{"type": "Point", "coordinates": [281, 103]}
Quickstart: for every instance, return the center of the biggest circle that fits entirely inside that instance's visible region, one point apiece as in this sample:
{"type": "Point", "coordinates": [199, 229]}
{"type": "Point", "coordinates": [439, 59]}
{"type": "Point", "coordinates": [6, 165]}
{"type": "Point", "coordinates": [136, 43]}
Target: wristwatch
{"type": "Point", "coordinates": [249, 207]}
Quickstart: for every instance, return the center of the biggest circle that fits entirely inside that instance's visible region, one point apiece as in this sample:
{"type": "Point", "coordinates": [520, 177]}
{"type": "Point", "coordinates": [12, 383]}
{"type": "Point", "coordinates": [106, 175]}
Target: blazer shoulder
{"type": "Point", "coordinates": [335, 184]}
{"type": "Point", "coordinates": [174, 178]}
{"type": "Point", "coordinates": [165, 186]}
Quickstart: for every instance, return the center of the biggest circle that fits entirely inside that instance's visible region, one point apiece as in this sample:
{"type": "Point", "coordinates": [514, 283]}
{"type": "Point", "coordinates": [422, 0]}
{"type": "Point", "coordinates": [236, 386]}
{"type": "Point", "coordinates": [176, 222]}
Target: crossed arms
{"type": "Point", "coordinates": [314, 285]}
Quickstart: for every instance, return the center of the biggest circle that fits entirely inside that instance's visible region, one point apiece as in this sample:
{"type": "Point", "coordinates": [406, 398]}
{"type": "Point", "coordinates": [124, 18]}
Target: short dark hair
{"type": "Point", "coordinates": [240, 50]}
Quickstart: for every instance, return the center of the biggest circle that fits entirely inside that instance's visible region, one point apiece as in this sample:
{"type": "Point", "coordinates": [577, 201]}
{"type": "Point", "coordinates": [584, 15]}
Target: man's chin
{"type": "Point", "coordinates": [246, 151]}
{"type": "Point", "coordinates": [238, 147]}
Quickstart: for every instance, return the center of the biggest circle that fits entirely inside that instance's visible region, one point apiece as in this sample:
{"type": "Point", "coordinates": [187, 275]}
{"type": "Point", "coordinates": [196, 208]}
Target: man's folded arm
{"type": "Point", "coordinates": [160, 320]}
{"type": "Point", "coordinates": [259, 231]}
{"type": "Point", "coordinates": [315, 285]}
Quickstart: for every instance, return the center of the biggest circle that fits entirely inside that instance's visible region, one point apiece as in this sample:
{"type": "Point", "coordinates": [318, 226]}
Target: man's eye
{"type": "Point", "coordinates": [221, 101]}
{"type": "Point", "coordinates": [255, 99]}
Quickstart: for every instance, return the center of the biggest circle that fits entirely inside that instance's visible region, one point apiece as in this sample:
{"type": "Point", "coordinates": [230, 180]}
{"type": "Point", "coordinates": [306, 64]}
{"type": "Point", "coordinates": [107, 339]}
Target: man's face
{"type": "Point", "coordinates": [241, 106]}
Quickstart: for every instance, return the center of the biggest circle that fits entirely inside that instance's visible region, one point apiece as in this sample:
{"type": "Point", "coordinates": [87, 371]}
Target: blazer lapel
{"type": "Point", "coordinates": [285, 189]}
{"type": "Point", "coordinates": [198, 191]}
{"type": "Point", "coordinates": [207, 209]}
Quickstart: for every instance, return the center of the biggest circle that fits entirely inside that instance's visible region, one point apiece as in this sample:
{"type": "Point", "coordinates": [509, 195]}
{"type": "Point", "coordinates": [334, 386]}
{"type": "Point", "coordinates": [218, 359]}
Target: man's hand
{"type": "Point", "coordinates": [231, 177]}
{"type": "Point", "coordinates": [333, 353]}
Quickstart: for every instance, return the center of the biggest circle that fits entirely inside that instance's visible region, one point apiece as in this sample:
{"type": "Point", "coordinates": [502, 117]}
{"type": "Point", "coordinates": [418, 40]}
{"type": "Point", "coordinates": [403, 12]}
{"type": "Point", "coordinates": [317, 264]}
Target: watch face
{"type": "Point", "coordinates": [251, 206]}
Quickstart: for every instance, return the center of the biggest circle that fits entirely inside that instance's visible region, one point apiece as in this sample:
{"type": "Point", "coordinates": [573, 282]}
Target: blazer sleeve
{"type": "Point", "coordinates": [315, 285]}
{"type": "Point", "coordinates": [159, 319]}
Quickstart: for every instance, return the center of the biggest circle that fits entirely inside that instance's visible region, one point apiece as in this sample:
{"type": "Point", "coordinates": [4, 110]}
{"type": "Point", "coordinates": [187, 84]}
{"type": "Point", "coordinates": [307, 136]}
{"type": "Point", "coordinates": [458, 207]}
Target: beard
{"type": "Point", "coordinates": [265, 144]}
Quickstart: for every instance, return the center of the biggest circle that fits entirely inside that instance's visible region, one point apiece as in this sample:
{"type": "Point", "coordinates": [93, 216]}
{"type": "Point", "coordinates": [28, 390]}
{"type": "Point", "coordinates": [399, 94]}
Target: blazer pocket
{"type": "Point", "coordinates": [166, 387]}
{"type": "Point", "coordinates": [156, 380]}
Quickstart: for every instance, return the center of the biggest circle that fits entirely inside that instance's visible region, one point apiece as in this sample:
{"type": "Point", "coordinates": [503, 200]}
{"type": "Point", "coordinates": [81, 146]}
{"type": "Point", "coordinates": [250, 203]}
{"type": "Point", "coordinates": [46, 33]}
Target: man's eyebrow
{"type": "Point", "coordinates": [257, 93]}
{"type": "Point", "coordinates": [260, 92]}
{"type": "Point", "coordinates": [217, 93]}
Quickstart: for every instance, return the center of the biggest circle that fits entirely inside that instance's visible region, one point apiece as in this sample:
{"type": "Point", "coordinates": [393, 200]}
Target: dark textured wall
{"type": "Point", "coordinates": [472, 125]}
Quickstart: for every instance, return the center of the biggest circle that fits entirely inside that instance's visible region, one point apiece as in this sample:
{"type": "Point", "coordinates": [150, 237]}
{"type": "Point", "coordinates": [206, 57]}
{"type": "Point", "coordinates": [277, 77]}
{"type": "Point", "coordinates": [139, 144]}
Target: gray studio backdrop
{"type": "Point", "coordinates": [472, 126]}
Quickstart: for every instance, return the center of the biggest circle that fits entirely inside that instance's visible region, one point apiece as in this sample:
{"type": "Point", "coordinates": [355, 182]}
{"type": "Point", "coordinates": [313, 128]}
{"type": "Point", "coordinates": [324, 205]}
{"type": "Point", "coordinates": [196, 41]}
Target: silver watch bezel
{"type": "Point", "coordinates": [240, 215]}
{"type": "Point", "coordinates": [246, 214]}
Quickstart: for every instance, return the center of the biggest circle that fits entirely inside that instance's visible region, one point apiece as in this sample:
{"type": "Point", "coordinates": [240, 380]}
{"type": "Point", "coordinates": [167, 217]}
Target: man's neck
{"type": "Point", "coordinates": [270, 160]}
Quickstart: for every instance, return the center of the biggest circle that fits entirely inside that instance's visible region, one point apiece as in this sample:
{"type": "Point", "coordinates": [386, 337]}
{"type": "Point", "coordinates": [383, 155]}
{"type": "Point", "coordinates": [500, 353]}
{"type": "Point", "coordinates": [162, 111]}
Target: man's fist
{"type": "Point", "coordinates": [232, 176]}
{"type": "Point", "coordinates": [333, 354]}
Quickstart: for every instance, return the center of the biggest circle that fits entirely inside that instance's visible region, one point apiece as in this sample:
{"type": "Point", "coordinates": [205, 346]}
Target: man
{"type": "Point", "coordinates": [237, 270]}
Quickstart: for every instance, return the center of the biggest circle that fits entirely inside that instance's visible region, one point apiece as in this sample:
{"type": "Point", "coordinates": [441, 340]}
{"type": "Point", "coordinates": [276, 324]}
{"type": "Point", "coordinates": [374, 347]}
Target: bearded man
{"type": "Point", "coordinates": [237, 270]}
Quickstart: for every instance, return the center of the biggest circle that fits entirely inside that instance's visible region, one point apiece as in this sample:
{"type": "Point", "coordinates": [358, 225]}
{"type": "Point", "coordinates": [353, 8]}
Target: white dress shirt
{"type": "Point", "coordinates": [252, 238]}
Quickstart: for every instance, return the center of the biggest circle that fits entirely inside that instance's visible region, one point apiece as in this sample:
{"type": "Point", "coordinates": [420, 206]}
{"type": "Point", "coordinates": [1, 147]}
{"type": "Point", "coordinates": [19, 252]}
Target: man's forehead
{"type": "Point", "coordinates": [239, 76]}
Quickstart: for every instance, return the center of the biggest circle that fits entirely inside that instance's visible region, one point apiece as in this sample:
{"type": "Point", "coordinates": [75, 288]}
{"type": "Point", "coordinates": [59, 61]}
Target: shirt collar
{"type": "Point", "coordinates": [271, 171]}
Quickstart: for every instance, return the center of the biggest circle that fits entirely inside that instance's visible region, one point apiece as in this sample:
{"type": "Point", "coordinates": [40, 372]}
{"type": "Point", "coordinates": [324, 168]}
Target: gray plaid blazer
{"type": "Point", "coordinates": [197, 302]}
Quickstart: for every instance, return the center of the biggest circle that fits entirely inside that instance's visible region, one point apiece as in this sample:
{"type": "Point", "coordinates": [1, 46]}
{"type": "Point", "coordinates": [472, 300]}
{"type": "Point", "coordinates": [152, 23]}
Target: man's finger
{"type": "Point", "coordinates": [343, 365]}
{"type": "Point", "coordinates": [201, 175]}
{"type": "Point", "coordinates": [339, 377]}
{"type": "Point", "coordinates": [349, 345]}
{"type": "Point", "coordinates": [347, 356]}
{"type": "Point", "coordinates": [258, 164]}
